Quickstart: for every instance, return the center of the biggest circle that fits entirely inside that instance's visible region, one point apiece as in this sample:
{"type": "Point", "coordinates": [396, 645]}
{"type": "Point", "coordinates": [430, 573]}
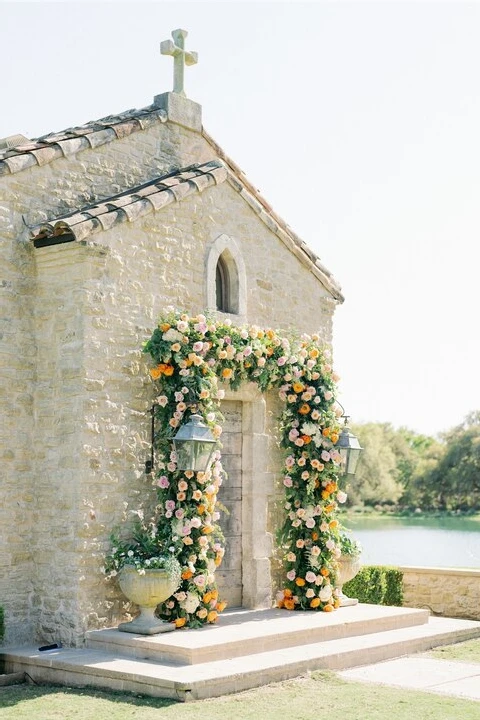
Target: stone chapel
{"type": "Point", "coordinates": [101, 227]}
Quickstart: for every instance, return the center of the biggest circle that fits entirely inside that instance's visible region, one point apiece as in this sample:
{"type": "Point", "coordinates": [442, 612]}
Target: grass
{"type": "Point", "coordinates": [468, 651]}
{"type": "Point", "coordinates": [307, 698]}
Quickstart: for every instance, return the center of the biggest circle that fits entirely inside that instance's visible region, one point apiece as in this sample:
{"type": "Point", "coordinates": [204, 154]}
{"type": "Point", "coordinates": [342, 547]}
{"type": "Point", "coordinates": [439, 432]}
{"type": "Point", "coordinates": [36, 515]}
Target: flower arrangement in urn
{"type": "Point", "coordinates": [348, 565]}
{"type": "Point", "coordinates": [148, 572]}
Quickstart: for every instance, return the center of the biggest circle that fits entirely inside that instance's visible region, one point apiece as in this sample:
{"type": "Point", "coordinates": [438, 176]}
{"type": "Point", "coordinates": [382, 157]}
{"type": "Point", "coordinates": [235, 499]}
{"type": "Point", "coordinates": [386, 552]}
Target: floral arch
{"type": "Point", "coordinates": [192, 356]}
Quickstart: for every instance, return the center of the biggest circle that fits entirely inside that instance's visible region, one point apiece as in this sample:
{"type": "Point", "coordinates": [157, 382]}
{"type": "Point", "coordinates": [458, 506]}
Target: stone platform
{"type": "Point", "coordinates": [247, 648]}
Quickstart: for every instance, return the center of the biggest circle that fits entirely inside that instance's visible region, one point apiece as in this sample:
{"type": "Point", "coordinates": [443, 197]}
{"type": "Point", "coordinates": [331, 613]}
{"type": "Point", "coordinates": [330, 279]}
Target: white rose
{"type": "Point", "coordinates": [325, 593]}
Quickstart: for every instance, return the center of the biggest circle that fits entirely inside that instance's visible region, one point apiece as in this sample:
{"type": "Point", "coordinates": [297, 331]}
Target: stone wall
{"type": "Point", "coordinates": [449, 592]}
{"type": "Point", "coordinates": [73, 379]}
{"type": "Point", "coordinates": [17, 467]}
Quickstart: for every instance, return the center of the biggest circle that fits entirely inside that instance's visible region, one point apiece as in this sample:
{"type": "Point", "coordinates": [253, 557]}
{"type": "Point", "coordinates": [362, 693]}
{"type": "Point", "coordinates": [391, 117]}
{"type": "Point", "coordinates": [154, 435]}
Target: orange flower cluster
{"type": "Point", "coordinates": [161, 369]}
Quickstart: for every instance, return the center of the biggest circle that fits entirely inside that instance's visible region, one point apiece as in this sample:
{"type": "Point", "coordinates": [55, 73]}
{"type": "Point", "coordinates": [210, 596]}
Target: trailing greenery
{"type": "Point", "coordinates": [349, 546]}
{"type": "Point", "coordinates": [377, 585]}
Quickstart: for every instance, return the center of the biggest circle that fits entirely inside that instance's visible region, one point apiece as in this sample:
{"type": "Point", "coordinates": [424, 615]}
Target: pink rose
{"type": "Point", "coordinates": [162, 482]}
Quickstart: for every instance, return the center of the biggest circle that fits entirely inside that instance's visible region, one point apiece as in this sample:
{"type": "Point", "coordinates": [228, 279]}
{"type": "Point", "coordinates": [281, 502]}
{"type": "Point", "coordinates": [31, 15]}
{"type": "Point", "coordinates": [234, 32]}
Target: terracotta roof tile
{"type": "Point", "coordinates": [58, 144]}
{"type": "Point", "coordinates": [132, 204]}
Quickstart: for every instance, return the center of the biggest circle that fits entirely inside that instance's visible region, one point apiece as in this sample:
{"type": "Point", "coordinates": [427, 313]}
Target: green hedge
{"type": "Point", "coordinates": [377, 585]}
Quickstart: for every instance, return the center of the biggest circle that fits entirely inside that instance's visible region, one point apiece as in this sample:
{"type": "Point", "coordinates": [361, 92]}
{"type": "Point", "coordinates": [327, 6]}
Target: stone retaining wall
{"type": "Point", "coordinates": [445, 591]}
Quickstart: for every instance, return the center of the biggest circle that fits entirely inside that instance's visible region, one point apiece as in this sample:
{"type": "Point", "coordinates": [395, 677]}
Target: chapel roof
{"type": "Point", "coordinates": [131, 204]}
{"type": "Point", "coordinates": [46, 149]}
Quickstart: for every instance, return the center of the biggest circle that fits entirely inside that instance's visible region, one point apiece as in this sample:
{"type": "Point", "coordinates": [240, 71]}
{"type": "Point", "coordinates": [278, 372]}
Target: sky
{"type": "Point", "coordinates": [359, 122]}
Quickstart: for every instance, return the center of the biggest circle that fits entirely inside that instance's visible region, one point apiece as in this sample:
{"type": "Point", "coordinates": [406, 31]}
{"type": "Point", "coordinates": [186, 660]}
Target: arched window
{"type": "Point", "coordinates": [223, 287]}
{"type": "Point", "coordinates": [225, 277]}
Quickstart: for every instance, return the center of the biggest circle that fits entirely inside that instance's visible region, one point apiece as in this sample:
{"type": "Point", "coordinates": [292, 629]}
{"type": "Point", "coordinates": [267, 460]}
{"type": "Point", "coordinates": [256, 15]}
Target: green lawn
{"type": "Point", "coordinates": [463, 652]}
{"type": "Point", "coordinates": [308, 698]}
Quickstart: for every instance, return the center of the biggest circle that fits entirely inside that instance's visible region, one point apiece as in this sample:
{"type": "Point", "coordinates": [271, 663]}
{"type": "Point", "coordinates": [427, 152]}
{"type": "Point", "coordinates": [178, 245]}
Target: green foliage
{"type": "Point", "coordinates": [349, 546]}
{"type": "Point", "coordinates": [376, 585]}
{"type": "Point", "coordinates": [394, 587]}
{"type": "Point", "coordinates": [149, 547]}
{"type": "Point", "coordinates": [377, 476]}
{"type": "Point", "coordinates": [407, 470]}
{"type": "Point", "coordinates": [2, 623]}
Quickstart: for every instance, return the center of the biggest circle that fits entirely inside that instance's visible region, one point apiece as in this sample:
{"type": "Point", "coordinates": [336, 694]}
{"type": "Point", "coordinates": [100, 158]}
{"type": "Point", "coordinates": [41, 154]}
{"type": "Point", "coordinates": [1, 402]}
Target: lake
{"type": "Point", "coordinates": [427, 542]}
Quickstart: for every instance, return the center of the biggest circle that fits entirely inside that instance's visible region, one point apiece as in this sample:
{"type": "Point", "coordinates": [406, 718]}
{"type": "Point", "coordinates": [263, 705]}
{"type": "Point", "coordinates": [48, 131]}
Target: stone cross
{"type": "Point", "coordinates": [181, 58]}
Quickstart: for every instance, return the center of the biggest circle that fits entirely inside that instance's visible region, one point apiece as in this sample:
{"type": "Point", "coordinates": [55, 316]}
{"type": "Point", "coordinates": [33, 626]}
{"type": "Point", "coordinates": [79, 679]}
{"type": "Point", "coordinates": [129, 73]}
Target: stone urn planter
{"type": "Point", "coordinates": [348, 567]}
{"type": "Point", "coordinates": [147, 590]}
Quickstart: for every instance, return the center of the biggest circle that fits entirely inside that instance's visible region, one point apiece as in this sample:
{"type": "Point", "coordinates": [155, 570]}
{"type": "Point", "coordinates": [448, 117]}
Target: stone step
{"type": "Point", "coordinates": [248, 632]}
{"type": "Point", "coordinates": [101, 669]}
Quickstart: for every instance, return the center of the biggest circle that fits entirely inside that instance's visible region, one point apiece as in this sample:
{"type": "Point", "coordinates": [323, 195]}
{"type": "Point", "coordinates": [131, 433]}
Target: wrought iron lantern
{"type": "Point", "coordinates": [349, 448]}
{"type": "Point", "coordinates": [194, 445]}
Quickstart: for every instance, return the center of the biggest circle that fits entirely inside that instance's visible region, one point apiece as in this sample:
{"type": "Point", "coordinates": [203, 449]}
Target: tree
{"type": "Point", "coordinates": [377, 476]}
{"type": "Point", "coordinates": [454, 482]}
{"type": "Point", "coordinates": [392, 465]}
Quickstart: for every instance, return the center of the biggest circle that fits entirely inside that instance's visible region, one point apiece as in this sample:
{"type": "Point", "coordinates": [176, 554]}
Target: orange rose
{"type": "Point", "coordinates": [212, 616]}
{"type": "Point", "coordinates": [180, 622]}
{"type": "Point", "coordinates": [207, 597]}
{"type": "Point", "coordinates": [287, 593]}
{"type": "Point", "coordinates": [306, 439]}
{"type": "Point", "coordinates": [186, 574]}
{"type": "Point", "coordinates": [201, 509]}
{"type": "Point", "coordinates": [314, 353]}
{"type": "Point", "coordinates": [304, 409]}
{"type": "Point", "coordinates": [333, 524]}
{"type": "Point", "coordinates": [168, 370]}
{"type": "Point", "coordinates": [334, 438]}
{"type": "Point", "coordinates": [227, 373]}
{"type": "Point", "coordinates": [289, 604]}
{"type": "Point", "coordinates": [298, 387]}
{"type": "Point", "coordinates": [326, 432]}
{"type": "Point", "coordinates": [328, 608]}
{"type": "Point", "coordinates": [315, 602]}
{"type": "Point", "coordinates": [315, 535]}
{"type": "Point", "coordinates": [280, 604]}
{"type": "Point", "coordinates": [218, 561]}
{"type": "Point", "coordinates": [214, 594]}
{"type": "Point", "coordinates": [329, 508]}
{"type": "Point", "coordinates": [221, 606]}
{"type": "Point", "coordinates": [325, 494]}
{"type": "Point", "coordinates": [299, 581]}
{"type": "Point", "coordinates": [325, 572]}
{"type": "Point", "coordinates": [164, 327]}
{"type": "Point", "coordinates": [156, 372]}
{"type": "Point", "coordinates": [207, 529]}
